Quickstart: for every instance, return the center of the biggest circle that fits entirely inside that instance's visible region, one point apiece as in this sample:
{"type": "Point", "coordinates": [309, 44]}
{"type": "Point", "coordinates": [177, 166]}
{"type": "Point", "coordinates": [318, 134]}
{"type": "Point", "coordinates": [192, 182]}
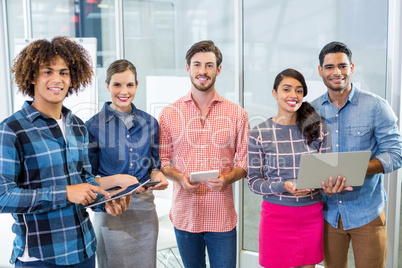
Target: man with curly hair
{"type": "Point", "coordinates": [45, 173]}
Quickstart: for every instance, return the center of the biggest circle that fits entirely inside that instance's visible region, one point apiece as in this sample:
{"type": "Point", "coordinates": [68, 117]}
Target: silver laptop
{"type": "Point", "coordinates": [314, 168]}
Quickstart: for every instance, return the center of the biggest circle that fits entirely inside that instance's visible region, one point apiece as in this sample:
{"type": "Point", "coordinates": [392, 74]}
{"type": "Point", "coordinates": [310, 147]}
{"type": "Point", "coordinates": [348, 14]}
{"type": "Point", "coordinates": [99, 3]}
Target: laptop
{"type": "Point", "coordinates": [314, 168]}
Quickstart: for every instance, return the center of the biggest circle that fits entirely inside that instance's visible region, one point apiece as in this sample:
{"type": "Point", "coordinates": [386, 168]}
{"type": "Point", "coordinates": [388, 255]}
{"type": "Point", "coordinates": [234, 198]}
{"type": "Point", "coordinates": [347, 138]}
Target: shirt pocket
{"type": "Point", "coordinates": [358, 137]}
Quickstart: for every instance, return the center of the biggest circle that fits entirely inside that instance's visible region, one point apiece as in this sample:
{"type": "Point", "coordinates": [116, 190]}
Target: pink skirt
{"type": "Point", "coordinates": [291, 236]}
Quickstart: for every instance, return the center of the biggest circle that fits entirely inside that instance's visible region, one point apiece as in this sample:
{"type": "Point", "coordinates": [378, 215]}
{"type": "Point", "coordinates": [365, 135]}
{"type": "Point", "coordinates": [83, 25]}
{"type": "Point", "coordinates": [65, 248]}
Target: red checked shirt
{"type": "Point", "coordinates": [216, 144]}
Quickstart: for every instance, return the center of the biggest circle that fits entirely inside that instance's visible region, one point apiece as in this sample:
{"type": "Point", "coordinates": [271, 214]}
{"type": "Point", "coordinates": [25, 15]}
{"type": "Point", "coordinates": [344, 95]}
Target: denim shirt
{"type": "Point", "coordinates": [364, 123]}
{"type": "Point", "coordinates": [114, 149]}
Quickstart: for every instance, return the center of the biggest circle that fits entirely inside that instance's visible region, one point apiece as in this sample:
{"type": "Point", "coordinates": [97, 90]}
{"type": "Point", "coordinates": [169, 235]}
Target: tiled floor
{"type": "Point", "coordinates": [170, 258]}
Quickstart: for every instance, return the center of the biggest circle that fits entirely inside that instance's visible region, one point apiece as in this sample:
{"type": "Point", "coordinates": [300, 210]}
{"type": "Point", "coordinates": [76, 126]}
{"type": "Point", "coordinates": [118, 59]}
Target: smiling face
{"type": "Point", "coordinates": [289, 95]}
{"type": "Point", "coordinates": [51, 86]}
{"type": "Point", "coordinates": [122, 88]}
{"type": "Point", "coordinates": [203, 71]}
{"type": "Point", "coordinates": [336, 71]}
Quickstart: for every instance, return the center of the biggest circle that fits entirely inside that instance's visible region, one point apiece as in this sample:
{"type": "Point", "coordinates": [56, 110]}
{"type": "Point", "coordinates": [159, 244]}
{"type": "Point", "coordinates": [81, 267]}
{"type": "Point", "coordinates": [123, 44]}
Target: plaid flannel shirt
{"type": "Point", "coordinates": [36, 165]}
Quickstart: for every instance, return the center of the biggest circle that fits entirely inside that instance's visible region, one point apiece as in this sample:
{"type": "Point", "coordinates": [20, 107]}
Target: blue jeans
{"type": "Point", "coordinates": [88, 263]}
{"type": "Point", "coordinates": [221, 248]}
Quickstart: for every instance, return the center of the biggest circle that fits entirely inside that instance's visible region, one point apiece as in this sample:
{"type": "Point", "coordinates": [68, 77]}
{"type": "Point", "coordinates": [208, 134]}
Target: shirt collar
{"type": "Point", "coordinates": [32, 113]}
{"type": "Point", "coordinates": [352, 98]}
{"type": "Point", "coordinates": [216, 98]}
{"type": "Point", "coordinates": [110, 114]}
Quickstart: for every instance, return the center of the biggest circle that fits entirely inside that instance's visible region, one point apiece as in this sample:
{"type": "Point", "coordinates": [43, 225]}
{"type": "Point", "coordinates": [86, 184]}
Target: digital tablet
{"type": "Point", "coordinates": [200, 177]}
{"type": "Point", "coordinates": [314, 168]}
{"type": "Point", "coordinates": [116, 192]}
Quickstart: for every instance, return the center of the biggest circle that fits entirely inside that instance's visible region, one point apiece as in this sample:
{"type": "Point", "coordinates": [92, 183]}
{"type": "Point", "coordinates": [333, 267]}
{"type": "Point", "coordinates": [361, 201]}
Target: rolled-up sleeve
{"type": "Point", "coordinates": [165, 139]}
{"type": "Point", "coordinates": [243, 134]}
{"type": "Point", "coordinates": [388, 138]}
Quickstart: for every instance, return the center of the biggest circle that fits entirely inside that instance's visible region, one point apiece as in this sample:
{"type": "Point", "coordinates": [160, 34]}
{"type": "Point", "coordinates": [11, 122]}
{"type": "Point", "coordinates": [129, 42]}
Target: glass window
{"type": "Point", "coordinates": [15, 29]}
{"type": "Point", "coordinates": [157, 35]}
{"type": "Point", "coordinates": [94, 18]}
{"type": "Point", "coordinates": [15, 24]}
{"type": "Point", "coordinates": [290, 34]}
{"type": "Point", "coordinates": [52, 18]}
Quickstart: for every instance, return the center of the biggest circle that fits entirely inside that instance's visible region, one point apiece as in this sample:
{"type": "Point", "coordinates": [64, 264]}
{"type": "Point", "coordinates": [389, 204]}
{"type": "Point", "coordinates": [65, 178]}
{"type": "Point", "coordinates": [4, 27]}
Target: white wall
{"type": "Point", "coordinates": [6, 220]}
{"type": "Point", "coordinates": [5, 103]}
{"type": "Point", "coordinates": [6, 239]}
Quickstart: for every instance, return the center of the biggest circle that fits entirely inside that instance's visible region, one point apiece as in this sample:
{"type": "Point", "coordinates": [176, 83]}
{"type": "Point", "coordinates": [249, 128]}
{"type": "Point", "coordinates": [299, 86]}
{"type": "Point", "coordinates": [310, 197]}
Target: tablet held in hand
{"type": "Point", "coordinates": [116, 193]}
{"type": "Point", "coordinates": [200, 177]}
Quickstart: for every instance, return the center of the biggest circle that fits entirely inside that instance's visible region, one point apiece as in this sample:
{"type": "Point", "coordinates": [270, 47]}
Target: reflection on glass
{"type": "Point", "coordinates": [15, 28]}
{"type": "Point", "coordinates": [15, 23]}
{"type": "Point", "coordinates": [251, 218]}
{"type": "Point", "coordinates": [149, 33]}
{"type": "Point", "coordinates": [157, 35]}
{"type": "Point", "coordinates": [76, 19]}
{"type": "Point", "coordinates": [51, 18]}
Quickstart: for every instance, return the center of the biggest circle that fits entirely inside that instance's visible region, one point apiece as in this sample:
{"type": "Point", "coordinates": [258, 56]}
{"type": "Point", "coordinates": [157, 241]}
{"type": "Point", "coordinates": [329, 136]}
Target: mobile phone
{"type": "Point", "coordinates": [113, 189]}
{"type": "Point", "coordinates": [150, 183]}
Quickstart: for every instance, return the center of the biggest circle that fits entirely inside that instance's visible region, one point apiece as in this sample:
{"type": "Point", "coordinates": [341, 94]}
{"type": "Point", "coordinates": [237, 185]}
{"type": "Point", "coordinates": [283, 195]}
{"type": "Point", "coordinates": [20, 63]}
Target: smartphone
{"type": "Point", "coordinates": [150, 183]}
{"type": "Point", "coordinates": [113, 189]}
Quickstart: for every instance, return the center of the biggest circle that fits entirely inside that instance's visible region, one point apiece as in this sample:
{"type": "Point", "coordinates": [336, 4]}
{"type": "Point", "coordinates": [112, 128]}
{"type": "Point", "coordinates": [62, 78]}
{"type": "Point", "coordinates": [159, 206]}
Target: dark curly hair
{"type": "Point", "coordinates": [41, 52]}
{"type": "Point", "coordinates": [307, 119]}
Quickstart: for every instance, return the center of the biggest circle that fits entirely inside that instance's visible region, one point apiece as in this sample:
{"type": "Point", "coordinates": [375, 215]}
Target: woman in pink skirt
{"type": "Point", "coordinates": [291, 226]}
